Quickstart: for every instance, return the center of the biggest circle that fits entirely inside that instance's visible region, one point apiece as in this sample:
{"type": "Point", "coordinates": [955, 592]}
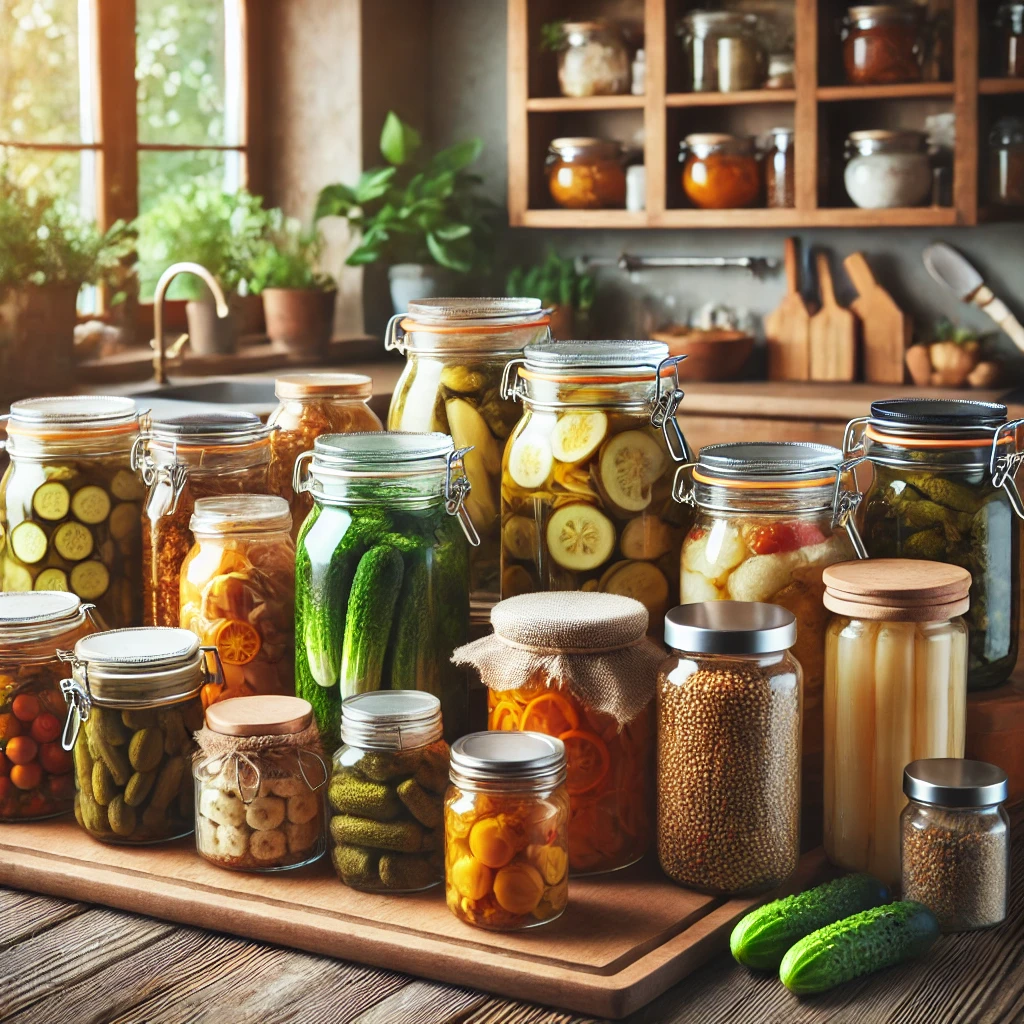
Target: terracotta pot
{"type": "Point", "coordinates": [250, 314]}
{"type": "Point", "coordinates": [37, 340]}
{"type": "Point", "coordinates": [209, 334]}
{"type": "Point", "coordinates": [300, 320]}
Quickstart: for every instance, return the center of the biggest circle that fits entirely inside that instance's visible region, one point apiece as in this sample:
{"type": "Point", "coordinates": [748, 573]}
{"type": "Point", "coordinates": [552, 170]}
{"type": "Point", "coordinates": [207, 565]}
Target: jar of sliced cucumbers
{"type": "Point", "coordinates": [586, 493]}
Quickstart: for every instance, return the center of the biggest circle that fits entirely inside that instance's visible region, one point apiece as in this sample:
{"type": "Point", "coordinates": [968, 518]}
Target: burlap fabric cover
{"type": "Point", "coordinates": [593, 644]}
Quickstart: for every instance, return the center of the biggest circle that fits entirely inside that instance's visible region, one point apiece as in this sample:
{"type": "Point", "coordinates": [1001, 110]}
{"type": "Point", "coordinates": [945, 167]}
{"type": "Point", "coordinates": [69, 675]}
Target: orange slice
{"type": "Point", "coordinates": [550, 713]}
{"type": "Point", "coordinates": [505, 716]}
{"type": "Point", "coordinates": [237, 642]}
{"type": "Point", "coordinates": [587, 760]}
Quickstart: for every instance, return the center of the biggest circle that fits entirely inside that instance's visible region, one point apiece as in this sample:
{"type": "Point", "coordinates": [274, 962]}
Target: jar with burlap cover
{"type": "Point", "coordinates": [579, 665]}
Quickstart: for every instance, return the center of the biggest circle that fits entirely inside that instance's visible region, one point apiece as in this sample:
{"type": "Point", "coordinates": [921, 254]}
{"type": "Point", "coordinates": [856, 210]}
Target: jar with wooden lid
{"type": "Point", "coordinates": [883, 44]}
{"type": "Point", "coordinates": [1009, 39]}
{"type": "Point", "coordinates": [593, 59]}
{"type": "Point", "coordinates": [721, 172]}
{"type": "Point", "coordinates": [506, 817]}
{"type": "Point", "coordinates": [895, 691]}
{"type": "Point", "coordinates": [260, 777]}
{"type": "Point", "coordinates": [723, 51]}
{"type": "Point", "coordinates": [887, 169]}
{"type": "Point", "coordinates": [780, 169]}
{"type": "Point", "coordinates": [586, 173]}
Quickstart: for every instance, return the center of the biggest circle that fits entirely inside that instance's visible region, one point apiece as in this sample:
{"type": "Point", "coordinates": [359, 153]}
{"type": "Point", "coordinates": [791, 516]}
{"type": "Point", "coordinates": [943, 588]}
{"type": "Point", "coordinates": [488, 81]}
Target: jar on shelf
{"type": "Point", "coordinates": [183, 458]}
{"type": "Point", "coordinates": [382, 571]}
{"type": "Point", "coordinates": [943, 489]}
{"type": "Point", "coordinates": [955, 841]}
{"type": "Point", "coordinates": [593, 59]}
{"type": "Point", "coordinates": [456, 351]}
{"type": "Point", "coordinates": [728, 711]}
{"type": "Point", "coordinates": [36, 778]}
{"type": "Point", "coordinates": [586, 173]}
{"type": "Point", "coordinates": [780, 170]}
{"type": "Point", "coordinates": [887, 169]}
{"type": "Point", "coordinates": [311, 404]}
{"type": "Point", "coordinates": [723, 51]}
{"type": "Point", "coordinates": [587, 474]}
{"type": "Point", "coordinates": [578, 666]}
{"type": "Point", "coordinates": [387, 791]}
{"type": "Point", "coordinates": [1006, 162]}
{"type": "Point", "coordinates": [720, 172]}
{"type": "Point", "coordinates": [134, 706]}
{"type": "Point", "coordinates": [260, 777]}
{"type": "Point", "coordinates": [506, 818]}
{"type": "Point", "coordinates": [883, 44]}
{"type": "Point", "coordinates": [238, 593]}
{"type": "Point", "coordinates": [1009, 39]}
{"type": "Point", "coordinates": [70, 503]}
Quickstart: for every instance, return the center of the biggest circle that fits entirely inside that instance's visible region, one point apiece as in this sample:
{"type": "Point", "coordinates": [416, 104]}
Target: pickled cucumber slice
{"type": "Point", "coordinates": [16, 577]}
{"type": "Point", "coordinates": [631, 462]}
{"type": "Point", "coordinates": [646, 538]}
{"type": "Point", "coordinates": [580, 537]}
{"type": "Point", "coordinates": [3, 538]}
{"type": "Point", "coordinates": [520, 538]}
{"type": "Point", "coordinates": [91, 504]}
{"type": "Point", "coordinates": [643, 582]}
{"type": "Point", "coordinates": [89, 580]}
{"type": "Point", "coordinates": [124, 519]}
{"type": "Point", "coordinates": [52, 579]}
{"type": "Point", "coordinates": [51, 501]}
{"type": "Point", "coordinates": [469, 429]}
{"type": "Point", "coordinates": [126, 486]}
{"type": "Point", "coordinates": [29, 543]}
{"type": "Point", "coordinates": [515, 580]}
{"type": "Point", "coordinates": [73, 541]}
{"type": "Point", "coordinates": [530, 460]}
{"type": "Point", "coordinates": [577, 435]}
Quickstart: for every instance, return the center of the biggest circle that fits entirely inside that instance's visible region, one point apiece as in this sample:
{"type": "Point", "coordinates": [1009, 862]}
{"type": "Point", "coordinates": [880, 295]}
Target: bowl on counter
{"type": "Point", "coordinates": [715, 354]}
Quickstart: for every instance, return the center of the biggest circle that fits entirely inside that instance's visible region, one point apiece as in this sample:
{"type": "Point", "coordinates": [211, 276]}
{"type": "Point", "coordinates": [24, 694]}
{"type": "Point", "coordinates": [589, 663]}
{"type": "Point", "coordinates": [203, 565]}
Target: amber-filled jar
{"type": "Point", "coordinates": [883, 44]}
{"type": "Point", "coordinates": [780, 170]}
{"type": "Point", "coordinates": [720, 172]}
{"type": "Point", "coordinates": [586, 173]}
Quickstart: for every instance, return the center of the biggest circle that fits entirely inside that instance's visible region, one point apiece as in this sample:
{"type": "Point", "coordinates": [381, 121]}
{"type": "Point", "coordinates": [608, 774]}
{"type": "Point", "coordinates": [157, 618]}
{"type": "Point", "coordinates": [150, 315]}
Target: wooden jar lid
{"type": "Point", "coordinates": [265, 715]}
{"type": "Point", "coordinates": [897, 590]}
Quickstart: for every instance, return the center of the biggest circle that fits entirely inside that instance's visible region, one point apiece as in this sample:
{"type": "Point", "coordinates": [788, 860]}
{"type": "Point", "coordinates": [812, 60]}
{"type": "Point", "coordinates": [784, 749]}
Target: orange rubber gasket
{"type": "Point", "coordinates": [932, 442]}
{"type": "Point", "coordinates": [71, 434]}
{"type": "Point", "coordinates": [410, 326]}
{"type": "Point", "coordinates": [763, 485]}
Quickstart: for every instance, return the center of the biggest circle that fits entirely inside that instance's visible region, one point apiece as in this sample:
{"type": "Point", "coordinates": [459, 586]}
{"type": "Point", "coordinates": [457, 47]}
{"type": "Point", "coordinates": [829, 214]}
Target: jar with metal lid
{"type": "Point", "coordinates": [955, 841]}
{"type": "Point", "coordinates": [382, 571]}
{"type": "Point", "coordinates": [311, 404]}
{"type": "Point", "coordinates": [883, 44]}
{"type": "Point", "coordinates": [238, 593]}
{"type": "Point", "coordinates": [887, 169]}
{"type": "Point", "coordinates": [720, 172]}
{"type": "Point", "coordinates": [593, 59]}
{"type": "Point", "coordinates": [1006, 161]}
{"type": "Point", "coordinates": [387, 790]}
{"type": "Point", "coordinates": [943, 488]}
{"type": "Point", "coordinates": [456, 351]}
{"type": "Point", "coordinates": [260, 776]}
{"type": "Point", "coordinates": [780, 169]}
{"type": "Point", "coordinates": [723, 51]}
{"type": "Point", "coordinates": [183, 458]}
{"type": "Point", "coordinates": [586, 498]}
{"type": "Point", "coordinates": [35, 772]}
{"type": "Point", "coordinates": [70, 503]}
{"type": "Point", "coordinates": [729, 700]}
{"type": "Point", "coordinates": [1009, 33]}
{"type": "Point", "coordinates": [586, 173]}
{"type": "Point", "coordinates": [506, 818]}
{"type": "Point", "coordinates": [134, 705]}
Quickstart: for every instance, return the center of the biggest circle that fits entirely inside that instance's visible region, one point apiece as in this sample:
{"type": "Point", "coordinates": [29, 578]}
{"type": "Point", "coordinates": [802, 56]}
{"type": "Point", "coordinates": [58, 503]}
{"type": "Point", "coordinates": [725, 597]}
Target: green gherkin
{"type": "Point", "coordinates": [366, 799]}
{"type": "Point", "coordinates": [926, 544]}
{"type": "Point", "coordinates": [945, 492]}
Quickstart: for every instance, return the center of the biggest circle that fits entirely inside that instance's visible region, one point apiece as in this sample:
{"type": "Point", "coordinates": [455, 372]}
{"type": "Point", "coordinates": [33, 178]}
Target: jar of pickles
{"type": "Point", "coordinates": [883, 44]}
{"type": "Point", "coordinates": [238, 593]}
{"type": "Point", "coordinates": [586, 500]}
{"type": "Point", "coordinates": [720, 172]}
{"type": "Point", "coordinates": [506, 816]}
{"type": "Point", "coordinates": [456, 350]}
{"type": "Point", "coordinates": [183, 458]}
{"type": "Point", "coordinates": [586, 173]}
{"type": "Point", "coordinates": [70, 503]}
{"type": "Point", "coordinates": [35, 771]}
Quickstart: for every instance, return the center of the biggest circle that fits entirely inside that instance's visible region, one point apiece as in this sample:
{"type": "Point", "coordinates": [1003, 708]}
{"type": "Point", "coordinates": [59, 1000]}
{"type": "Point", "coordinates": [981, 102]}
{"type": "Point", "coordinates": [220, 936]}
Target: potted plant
{"type": "Point", "coordinates": [421, 215]}
{"type": "Point", "coordinates": [557, 284]}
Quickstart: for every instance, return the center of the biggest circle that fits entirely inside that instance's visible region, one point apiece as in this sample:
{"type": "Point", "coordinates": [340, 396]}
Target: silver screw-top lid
{"type": "Point", "coordinates": [74, 411]}
{"type": "Point", "coordinates": [955, 782]}
{"type": "Point", "coordinates": [769, 460]}
{"type": "Point", "coordinates": [202, 428]}
{"type": "Point", "coordinates": [730, 627]}
{"type": "Point", "coordinates": [38, 614]}
{"type": "Point", "coordinates": [390, 719]}
{"type": "Point", "coordinates": [528, 757]}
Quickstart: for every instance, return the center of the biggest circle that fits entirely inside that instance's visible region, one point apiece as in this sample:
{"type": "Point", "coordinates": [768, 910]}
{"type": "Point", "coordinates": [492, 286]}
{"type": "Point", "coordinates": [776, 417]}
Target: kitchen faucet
{"type": "Point", "coordinates": [159, 372]}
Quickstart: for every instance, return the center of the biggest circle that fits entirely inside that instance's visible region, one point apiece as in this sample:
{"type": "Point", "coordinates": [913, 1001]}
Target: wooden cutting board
{"type": "Point", "coordinates": [787, 328]}
{"type": "Point", "coordinates": [623, 940]}
{"type": "Point", "coordinates": [833, 333]}
{"type": "Point", "coordinates": [887, 330]}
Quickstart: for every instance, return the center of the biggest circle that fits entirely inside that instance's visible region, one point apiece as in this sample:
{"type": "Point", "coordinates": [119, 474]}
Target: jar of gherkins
{"type": "Point", "coordinates": [456, 350]}
{"type": "Point", "coordinates": [586, 500]}
{"type": "Point", "coordinates": [70, 503]}
{"type": "Point", "coordinates": [943, 489]}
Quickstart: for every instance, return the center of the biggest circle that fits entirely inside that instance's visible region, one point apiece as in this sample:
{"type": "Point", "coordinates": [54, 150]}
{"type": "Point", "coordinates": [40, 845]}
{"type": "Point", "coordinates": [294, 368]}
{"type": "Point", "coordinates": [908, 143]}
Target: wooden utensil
{"type": "Point", "coordinates": [833, 333]}
{"type": "Point", "coordinates": [787, 329]}
{"type": "Point", "coordinates": [886, 329]}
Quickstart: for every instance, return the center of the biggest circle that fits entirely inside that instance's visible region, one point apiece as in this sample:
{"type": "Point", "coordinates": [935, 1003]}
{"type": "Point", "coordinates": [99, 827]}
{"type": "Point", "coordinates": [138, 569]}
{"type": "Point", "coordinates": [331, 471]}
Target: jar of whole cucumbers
{"type": "Point", "coordinates": [134, 705]}
{"type": "Point", "coordinates": [70, 503]}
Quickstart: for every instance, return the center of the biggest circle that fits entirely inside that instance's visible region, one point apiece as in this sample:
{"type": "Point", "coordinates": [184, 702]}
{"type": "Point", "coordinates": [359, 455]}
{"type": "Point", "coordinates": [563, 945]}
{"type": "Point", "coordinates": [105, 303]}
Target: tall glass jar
{"type": "Point", "coordinates": [238, 593]}
{"type": "Point", "coordinates": [895, 690]}
{"type": "Point", "coordinates": [181, 459]}
{"type": "Point", "coordinates": [723, 51]}
{"type": "Point", "coordinates": [1009, 31]}
{"type": "Point", "coordinates": [70, 503]}
{"type": "Point", "coordinates": [456, 350]}
{"type": "Point", "coordinates": [883, 44]}
{"type": "Point", "coordinates": [382, 571]}
{"type": "Point", "coordinates": [586, 173]}
{"type": "Point", "coordinates": [780, 169]}
{"type": "Point", "coordinates": [593, 60]}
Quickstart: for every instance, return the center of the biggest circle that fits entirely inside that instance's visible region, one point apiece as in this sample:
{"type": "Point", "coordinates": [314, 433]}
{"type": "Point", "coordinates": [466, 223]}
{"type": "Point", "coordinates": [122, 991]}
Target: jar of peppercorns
{"type": "Point", "coordinates": [587, 174]}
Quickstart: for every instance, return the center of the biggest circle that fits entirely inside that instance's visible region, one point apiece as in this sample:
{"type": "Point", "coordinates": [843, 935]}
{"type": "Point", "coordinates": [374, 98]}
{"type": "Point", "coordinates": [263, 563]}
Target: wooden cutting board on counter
{"type": "Point", "coordinates": [787, 328]}
{"type": "Point", "coordinates": [887, 331]}
{"type": "Point", "coordinates": [833, 333]}
{"type": "Point", "coordinates": [623, 940]}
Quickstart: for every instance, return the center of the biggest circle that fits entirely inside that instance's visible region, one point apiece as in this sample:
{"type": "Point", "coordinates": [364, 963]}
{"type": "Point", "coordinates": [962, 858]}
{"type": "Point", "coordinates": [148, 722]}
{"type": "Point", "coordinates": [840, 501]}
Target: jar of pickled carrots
{"type": "Point", "coordinates": [506, 817]}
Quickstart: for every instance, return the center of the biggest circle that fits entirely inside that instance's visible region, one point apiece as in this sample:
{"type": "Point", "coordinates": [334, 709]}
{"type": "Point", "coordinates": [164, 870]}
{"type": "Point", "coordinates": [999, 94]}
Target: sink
{"type": "Point", "coordinates": [217, 392]}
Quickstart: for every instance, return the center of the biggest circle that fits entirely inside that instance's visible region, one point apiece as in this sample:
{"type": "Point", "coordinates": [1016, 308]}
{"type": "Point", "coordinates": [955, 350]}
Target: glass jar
{"type": "Point", "coordinates": [456, 350]}
{"type": "Point", "coordinates": [895, 690]}
{"type": "Point", "coordinates": [238, 593]}
{"type": "Point", "coordinates": [183, 458]}
{"type": "Point", "coordinates": [70, 504]}
{"type": "Point", "coordinates": [723, 51]}
{"type": "Point", "coordinates": [382, 571]}
{"type": "Point", "coordinates": [780, 170]}
{"type": "Point", "coordinates": [586, 500]}
{"type": "Point", "coordinates": [134, 705]}
{"type": "Point", "coordinates": [259, 779]}
{"type": "Point", "coordinates": [729, 700]}
{"type": "Point", "coordinates": [1006, 162]}
{"type": "Point", "coordinates": [943, 489]}
{"type": "Point", "coordinates": [887, 169]}
{"type": "Point", "coordinates": [587, 174]}
{"type": "Point", "coordinates": [593, 60]}
{"type": "Point", "coordinates": [35, 771]}
{"type": "Point", "coordinates": [387, 792]}
{"type": "Point", "coordinates": [311, 404]}
{"type": "Point", "coordinates": [955, 841]}
{"type": "Point", "coordinates": [506, 817]}
{"type": "Point", "coordinates": [1010, 40]}
{"type": "Point", "coordinates": [720, 172]}
{"type": "Point", "coordinates": [883, 44]}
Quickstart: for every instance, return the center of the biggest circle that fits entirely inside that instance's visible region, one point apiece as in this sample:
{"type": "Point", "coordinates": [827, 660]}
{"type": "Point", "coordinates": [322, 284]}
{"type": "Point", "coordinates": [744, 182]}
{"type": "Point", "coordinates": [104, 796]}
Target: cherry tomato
{"type": "Point", "coordinates": [21, 749]}
{"type": "Point", "coordinates": [783, 537]}
{"type": "Point", "coordinates": [25, 706]}
{"type": "Point", "coordinates": [26, 776]}
{"type": "Point", "coordinates": [10, 726]}
{"type": "Point", "coordinates": [61, 787]}
{"type": "Point", "coordinates": [5, 765]}
{"type": "Point", "coordinates": [45, 728]}
{"type": "Point", "coordinates": [55, 759]}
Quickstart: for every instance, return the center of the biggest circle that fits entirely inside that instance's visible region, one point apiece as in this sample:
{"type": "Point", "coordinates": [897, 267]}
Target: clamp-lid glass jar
{"type": "Point", "coordinates": [883, 44]}
{"type": "Point", "coordinates": [887, 169]}
{"type": "Point", "coordinates": [723, 51]}
{"type": "Point", "coordinates": [506, 817]}
{"type": "Point", "coordinates": [729, 699]}
{"type": "Point", "coordinates": [720, 172]}
{"type": "Point", "coordinates": [593, 59]}
{"type": "Point", "coordinates": [587, 174]}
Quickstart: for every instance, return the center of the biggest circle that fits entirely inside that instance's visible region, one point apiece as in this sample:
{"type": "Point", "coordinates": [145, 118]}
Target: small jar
{"type": "Point", "coordinates": [387, 790]}
{"type": "Point", "coordinates": [955, 841]}
{"type": "Point", "coordinates": [780, 170]}
{"type": "Point", "coordinates": [134, 705]}
{"type": "Point", "coordinates": [260, 776]}
{"type": "Point", "coordinates": [720, 172]}
{"type": "Point", "coordinates": [883, 44]}
{"type": "Point", "coordinates": [586, 173]}
{"type": "Point", "coordinates": [729, 709]}
{"type": "Point", "coordinates": [887, 169]}
{"type": "Point", "coordinates": [723, 51]}
{"type": "Point", "coordinates": [1010, 40]}
{"type": "Point", "coordinates": [1006, 162]}
{"type": "Point", "coordinates": [238, 593]}
{"type": "Point", "coordinates": [594, 60]}
{"type": "Point", "coordinates": [506, 817]}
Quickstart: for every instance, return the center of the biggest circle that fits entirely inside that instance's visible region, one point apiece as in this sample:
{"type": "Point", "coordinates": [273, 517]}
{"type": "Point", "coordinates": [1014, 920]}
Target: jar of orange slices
{"type": "Point", "coordinates": [578, 666]}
